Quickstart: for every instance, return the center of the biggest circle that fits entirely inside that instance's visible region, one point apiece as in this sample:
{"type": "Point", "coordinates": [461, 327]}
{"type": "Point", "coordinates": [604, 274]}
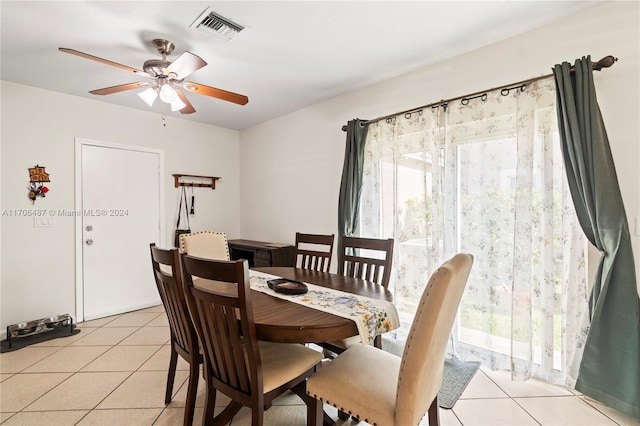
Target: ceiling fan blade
{"type": "Point", "coordinates": [201, 89]}
{"type": "Point", "coordinates": [104, 61]}
{"type": "Point", "coordinates": [186, 64]}
{"type": "Point", "coordinates": [119, 88]}
{"type": "Point", "coordinates": [188, 109]}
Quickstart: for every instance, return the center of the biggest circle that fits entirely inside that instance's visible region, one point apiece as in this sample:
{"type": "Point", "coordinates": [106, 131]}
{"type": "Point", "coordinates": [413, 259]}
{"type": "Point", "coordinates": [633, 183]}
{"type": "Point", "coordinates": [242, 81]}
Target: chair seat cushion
{"type": "Point", "coordinates": [282, 362]}
{"type": "Point", "coordinates": [362, 381]}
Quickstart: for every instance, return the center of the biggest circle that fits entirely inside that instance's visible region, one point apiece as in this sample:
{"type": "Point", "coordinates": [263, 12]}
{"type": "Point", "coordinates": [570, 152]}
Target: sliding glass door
{"type": "Point", "coordinates": [487, 178]}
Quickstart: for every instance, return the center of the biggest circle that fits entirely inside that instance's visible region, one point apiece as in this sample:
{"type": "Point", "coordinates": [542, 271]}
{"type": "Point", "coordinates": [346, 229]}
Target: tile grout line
{"type": "Point", "coordinates": [525, 410]}
{"type": "Point", "coordinates": [597, 409]}
{"type": "Point", "coordinates": [41, 359]}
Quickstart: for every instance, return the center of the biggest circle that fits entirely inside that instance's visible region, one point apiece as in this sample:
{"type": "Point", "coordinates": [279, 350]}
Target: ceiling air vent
{"type": "Point", "coordinates": [210, 21]}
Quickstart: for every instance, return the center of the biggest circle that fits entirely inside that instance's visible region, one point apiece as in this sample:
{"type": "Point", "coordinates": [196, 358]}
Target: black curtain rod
{"type": "Point", "coordinates": [605, 62]}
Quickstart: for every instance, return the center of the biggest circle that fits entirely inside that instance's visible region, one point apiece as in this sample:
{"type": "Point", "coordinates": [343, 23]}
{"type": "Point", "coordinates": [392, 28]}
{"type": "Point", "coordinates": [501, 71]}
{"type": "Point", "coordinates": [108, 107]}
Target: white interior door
{"type": "Point", "coordinates": [120, 202]}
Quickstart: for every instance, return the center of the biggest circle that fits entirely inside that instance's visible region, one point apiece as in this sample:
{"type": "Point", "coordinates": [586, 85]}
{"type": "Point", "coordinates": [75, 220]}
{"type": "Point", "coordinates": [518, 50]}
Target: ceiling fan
{"type": "Point", "coordinates": [167, 77]}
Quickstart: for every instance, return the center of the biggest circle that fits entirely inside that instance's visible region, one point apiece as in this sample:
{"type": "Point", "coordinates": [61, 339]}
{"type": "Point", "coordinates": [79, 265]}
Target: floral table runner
{"type": "Point", "coordinates": [372, 316]}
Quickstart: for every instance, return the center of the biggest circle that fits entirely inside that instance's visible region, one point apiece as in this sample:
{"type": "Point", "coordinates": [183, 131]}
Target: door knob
{"type": "Point", "coordinates": [89, 241]}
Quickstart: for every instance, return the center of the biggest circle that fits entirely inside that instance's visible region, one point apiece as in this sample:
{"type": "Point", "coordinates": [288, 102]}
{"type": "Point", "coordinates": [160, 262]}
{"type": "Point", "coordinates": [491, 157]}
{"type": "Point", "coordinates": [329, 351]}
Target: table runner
{"type": "Point", "coordinates": [372, 316]}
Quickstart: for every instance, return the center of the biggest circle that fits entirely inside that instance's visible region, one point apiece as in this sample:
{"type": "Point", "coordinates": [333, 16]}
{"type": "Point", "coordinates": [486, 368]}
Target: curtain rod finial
{"type": "Point", "coordinates": [605, 62]}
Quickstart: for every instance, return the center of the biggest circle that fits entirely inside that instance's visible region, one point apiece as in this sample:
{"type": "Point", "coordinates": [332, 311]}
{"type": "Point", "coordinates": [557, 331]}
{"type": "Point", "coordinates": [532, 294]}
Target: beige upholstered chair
{"type": "Point", "coordinates": [184, 340]}
{"type": "Point", "coordinates": [205, 244]}
{"type": "Point", "coordinates": [383, 389]}
{"type": "Point", "coordinates": [313, 251]}
{"type": "Point", "coordinates": [249, 372]}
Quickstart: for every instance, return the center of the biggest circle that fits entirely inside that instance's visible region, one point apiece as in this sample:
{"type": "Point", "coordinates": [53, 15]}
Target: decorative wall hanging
{"type": "Point", "coordinates": [37, 176]}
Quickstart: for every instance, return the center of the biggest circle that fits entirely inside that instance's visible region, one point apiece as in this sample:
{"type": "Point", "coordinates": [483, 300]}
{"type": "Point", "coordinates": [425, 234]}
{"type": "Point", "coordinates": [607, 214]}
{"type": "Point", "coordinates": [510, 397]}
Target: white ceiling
{"type": "Point", "coordinates": [292, 54]}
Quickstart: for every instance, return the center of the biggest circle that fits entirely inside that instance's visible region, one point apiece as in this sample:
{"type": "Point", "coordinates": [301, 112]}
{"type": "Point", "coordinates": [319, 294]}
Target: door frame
{"type": "Point", "coordinates": [79, 143]}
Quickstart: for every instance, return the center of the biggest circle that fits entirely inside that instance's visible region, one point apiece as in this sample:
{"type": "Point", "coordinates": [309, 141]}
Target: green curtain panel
{"type": "Point", "coordinates": [351, 184]}
{"type": "Point", "coordinates": [610, 367]}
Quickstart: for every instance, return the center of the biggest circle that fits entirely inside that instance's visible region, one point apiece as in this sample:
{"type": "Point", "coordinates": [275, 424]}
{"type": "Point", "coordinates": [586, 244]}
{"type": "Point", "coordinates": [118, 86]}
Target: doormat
{"type": "Point", "coordinates": [21, 342]}
{"type": "Point", "coordinates": [455, 378]}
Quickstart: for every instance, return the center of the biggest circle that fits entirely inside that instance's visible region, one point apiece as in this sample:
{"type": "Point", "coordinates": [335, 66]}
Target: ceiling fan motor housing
{"type": "Point", "coordinates": [156, 67]}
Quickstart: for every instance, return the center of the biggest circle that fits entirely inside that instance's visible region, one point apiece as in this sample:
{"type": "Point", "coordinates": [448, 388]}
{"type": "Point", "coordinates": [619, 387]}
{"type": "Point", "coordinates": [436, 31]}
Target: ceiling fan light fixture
{"type": "Point", "coordinates": [149, 95]}
{"type": "Point", "coordinates": [168, 94]}
{"type": "Point", "coordinates": [177, 105]}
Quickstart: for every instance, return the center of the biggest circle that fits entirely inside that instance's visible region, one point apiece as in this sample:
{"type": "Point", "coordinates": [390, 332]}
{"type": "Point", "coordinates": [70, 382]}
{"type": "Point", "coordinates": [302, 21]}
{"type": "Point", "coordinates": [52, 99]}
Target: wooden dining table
{"type": "Point", "coordinates": [283, 321]}
{"type": "Point", "coordinates": [279, 320]}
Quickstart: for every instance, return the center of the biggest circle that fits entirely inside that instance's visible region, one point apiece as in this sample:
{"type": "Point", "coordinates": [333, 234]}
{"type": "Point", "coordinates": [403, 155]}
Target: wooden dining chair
{"type": "Point", "coordinates": [313, 251]}
{"type": "Point", "coordinates": [184, 340]}
{"type": "Point", "coordinates": [399, 390]}
{"type": "Point", "coordinates": [369, 259]}
{"type": "Point", "coordinates": [250, 372]}
{"type": "Point", "coordinates": [206, 244]}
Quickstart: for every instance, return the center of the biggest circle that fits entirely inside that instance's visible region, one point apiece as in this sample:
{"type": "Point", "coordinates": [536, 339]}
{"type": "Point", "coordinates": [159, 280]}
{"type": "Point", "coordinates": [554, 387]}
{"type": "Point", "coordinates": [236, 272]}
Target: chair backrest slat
{"type": "Point", "coordinates": [314, 251]}
{"type": "Point", "coordinates": [356, 259]}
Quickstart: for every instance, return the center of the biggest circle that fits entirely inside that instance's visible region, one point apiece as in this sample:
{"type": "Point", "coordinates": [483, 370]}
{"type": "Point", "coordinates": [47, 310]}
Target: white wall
{"type": "Point", "coordinates": [39, 127]}
{"type": "Point", "coordinates": [291, 166]}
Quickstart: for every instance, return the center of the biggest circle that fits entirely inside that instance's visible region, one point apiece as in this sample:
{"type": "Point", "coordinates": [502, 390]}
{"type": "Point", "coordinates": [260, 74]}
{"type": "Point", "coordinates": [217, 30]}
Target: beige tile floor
{"type": "Point", "coordinates": [114, 373]}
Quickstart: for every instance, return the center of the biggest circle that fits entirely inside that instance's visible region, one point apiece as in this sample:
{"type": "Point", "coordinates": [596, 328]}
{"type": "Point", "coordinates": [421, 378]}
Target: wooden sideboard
{"type": "Point", "coordinates": [261, 254]}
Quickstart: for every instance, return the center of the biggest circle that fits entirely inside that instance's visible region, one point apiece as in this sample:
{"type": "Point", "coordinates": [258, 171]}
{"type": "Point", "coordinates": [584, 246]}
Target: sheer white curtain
{"type": "Point", "coordinates": [485, 177]}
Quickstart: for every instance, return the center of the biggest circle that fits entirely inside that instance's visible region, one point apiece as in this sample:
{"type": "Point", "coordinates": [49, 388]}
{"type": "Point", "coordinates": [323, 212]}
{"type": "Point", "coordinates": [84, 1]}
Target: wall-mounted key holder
{"type": "Point", "coordinates": [196, 181]}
